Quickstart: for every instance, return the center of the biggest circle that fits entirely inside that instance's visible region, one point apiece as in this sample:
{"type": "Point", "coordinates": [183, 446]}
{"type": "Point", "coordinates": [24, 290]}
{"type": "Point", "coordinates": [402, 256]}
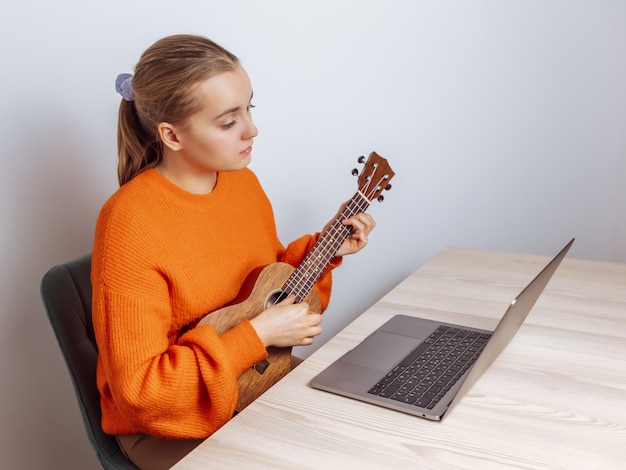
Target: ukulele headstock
{"type": "Point", "coordinates": [375, 176]}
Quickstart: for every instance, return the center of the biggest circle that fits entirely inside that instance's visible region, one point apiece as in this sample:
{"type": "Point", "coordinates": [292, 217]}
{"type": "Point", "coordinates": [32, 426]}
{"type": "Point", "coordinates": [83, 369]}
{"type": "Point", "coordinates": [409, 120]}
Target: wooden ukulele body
{"type": "Point", "coordinates": [260, 290]}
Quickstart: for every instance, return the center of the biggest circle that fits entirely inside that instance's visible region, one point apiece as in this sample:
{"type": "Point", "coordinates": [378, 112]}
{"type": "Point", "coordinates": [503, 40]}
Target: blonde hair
{"type": "Point", "coordinates": [163, 86]}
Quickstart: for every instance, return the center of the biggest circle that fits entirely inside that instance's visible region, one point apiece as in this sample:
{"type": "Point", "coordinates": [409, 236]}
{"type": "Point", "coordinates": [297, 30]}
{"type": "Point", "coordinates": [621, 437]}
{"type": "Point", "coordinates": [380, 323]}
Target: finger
{"type": "Point", "coordinates": [362, 238]}
{"type": "Point", "coordinates": [356, 223]}
{"type": "Point", "coordinates": [361, 221]}
{"type": "Point", "coordinates": [290, 299]}
{"type": "Point", "coordinates": [314, 319]}
{"type": "Point", "coordinates": [367, 221]}
{"type": "Point", "coordinates": [314, 331]}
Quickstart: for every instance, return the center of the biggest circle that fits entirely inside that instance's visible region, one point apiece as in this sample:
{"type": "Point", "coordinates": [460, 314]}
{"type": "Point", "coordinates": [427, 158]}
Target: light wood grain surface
{"type": "Point", "coordinates": [554, 399]}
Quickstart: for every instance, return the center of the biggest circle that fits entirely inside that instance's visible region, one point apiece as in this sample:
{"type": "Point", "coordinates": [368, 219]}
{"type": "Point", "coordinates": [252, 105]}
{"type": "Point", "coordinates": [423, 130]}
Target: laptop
{"type": "Point", "coordinates": [424, 367]}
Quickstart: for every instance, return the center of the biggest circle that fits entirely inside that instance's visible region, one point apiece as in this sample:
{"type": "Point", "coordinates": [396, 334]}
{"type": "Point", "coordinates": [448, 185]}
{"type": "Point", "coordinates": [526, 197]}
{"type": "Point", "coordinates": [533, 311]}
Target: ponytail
{"type": "Point", "coordinates": [137, 149]}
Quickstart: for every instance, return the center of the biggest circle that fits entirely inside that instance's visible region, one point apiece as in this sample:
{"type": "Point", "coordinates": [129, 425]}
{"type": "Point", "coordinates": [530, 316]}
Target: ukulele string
{"type": "Point", "coordinates": [311, 269]}
{"type": "Point", "coordinates": [329, 249]}
{"type": "Point", "coordinates": [337, 233]}
{"type": "Point", "coordinates": [324, 250]}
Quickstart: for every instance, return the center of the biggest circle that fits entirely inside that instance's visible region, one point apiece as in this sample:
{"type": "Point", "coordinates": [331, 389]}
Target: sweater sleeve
{"type": "Point", "coordinates": [161, 385]}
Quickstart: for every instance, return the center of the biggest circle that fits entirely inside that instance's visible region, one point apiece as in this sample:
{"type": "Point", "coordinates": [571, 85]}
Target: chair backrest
{"type": "Point", "coordinates": [66, 295]}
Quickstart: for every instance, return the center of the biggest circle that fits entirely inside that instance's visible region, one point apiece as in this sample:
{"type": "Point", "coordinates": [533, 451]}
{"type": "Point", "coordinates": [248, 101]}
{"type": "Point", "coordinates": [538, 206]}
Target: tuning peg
{"type": "Point", "coordinates": [380, 198]}
{"type": "Point", "coordinates": [361, 159]}
{"type": "Point", "coordinates": [355, 172]}
{"type": "Point", "coordinates": [388, 187]}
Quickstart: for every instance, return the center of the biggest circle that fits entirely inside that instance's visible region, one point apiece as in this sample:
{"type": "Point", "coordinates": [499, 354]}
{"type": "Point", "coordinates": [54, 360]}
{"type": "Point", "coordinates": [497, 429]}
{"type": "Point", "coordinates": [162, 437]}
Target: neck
{"type": "Point", "coordinates": [195, 183]}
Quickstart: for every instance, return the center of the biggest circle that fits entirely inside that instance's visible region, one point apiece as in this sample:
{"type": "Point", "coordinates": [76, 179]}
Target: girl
{"type": "Point", "coordinates": [189, 222]}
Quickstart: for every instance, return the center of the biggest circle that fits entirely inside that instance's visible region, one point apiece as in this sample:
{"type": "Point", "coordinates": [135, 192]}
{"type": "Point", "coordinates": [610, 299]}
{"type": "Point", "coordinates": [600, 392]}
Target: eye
{"type": "Point", "coordinates": [230, 124]}
{"type": "Point", "coordinates": [250, 106]}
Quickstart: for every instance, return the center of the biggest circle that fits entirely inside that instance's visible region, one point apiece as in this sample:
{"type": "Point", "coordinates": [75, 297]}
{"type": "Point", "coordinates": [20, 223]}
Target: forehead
{"type": "Point", "coordinates": [225, 91]}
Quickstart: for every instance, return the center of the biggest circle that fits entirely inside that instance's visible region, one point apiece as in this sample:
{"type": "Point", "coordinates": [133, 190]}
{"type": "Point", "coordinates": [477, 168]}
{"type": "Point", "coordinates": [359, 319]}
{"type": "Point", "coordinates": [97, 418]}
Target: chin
{"type": "Point", "coordinates": [245, 161]}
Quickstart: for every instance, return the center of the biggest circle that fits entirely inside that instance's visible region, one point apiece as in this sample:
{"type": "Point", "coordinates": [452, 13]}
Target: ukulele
{"type": "Point", "coordinates": [268, 285]}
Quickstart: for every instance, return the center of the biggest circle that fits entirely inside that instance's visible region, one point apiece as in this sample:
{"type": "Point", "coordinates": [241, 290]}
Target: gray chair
{"type": "Point", "coordinates": [66, 295]}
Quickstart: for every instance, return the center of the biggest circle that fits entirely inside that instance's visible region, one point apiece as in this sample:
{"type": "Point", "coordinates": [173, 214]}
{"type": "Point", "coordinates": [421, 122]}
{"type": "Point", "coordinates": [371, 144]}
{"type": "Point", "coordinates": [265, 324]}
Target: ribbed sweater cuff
{"type": "Point", "coordinates": [244, 346]}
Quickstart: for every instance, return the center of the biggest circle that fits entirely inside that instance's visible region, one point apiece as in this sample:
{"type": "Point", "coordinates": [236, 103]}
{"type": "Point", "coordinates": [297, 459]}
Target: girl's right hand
{"type": "Point", "coordinates": [287, 324]}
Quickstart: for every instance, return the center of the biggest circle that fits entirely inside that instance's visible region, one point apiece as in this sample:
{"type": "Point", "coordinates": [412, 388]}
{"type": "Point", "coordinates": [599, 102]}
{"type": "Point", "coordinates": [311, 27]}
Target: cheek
{"type": "Point", "coordinates": [217, 145]}
{"type": "Point", "coordinates": [210, 142]}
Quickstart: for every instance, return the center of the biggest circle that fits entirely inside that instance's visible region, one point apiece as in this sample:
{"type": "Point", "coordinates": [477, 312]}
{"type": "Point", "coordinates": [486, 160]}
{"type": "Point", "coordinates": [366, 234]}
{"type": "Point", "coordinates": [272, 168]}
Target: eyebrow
{"type": "Point", "coordinates": [232, 110]}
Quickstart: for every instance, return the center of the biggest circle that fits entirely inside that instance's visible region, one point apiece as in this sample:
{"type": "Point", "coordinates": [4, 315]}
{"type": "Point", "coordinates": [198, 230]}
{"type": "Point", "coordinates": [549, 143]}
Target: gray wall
{"type": "Point", "coordinates": [504, 122]}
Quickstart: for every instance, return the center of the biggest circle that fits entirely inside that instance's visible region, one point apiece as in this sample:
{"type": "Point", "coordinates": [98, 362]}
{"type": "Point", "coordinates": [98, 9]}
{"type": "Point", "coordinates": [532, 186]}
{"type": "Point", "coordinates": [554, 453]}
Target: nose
{"type": "Point", "coordinates": [249, 131]}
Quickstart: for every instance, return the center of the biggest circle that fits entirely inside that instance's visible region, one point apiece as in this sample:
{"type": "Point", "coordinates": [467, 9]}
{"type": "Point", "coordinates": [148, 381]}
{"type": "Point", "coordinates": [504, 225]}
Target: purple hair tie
{"type": "Point", "coordinates": [124, 86]}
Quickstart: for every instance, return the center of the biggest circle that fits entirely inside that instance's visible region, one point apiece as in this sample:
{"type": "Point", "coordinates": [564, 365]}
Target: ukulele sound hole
{"type": "Point", "coordinates": [275, 297]}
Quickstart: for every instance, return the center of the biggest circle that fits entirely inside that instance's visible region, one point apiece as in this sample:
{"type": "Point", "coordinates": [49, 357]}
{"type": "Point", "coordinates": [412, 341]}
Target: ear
{"type": "Point", "coordinates": [168, 133]}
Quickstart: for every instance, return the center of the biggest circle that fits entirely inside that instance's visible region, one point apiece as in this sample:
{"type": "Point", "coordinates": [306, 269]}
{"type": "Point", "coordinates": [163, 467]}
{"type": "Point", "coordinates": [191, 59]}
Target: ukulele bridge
{"type": "Point", "coordinates": [261, 366]}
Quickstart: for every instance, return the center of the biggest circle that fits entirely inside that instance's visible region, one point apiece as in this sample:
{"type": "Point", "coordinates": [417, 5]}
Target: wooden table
{"type": "Point", "coordinates": [554, 399]}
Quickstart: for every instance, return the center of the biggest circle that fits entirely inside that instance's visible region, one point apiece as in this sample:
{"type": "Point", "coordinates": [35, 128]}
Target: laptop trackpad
{"type": "Point", "coordinates": [381, 350]}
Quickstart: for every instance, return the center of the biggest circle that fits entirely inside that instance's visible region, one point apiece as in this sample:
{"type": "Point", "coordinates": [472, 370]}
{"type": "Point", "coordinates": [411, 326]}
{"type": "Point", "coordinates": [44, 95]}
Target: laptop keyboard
{"type": "Point", "coordinates": [424, 376]}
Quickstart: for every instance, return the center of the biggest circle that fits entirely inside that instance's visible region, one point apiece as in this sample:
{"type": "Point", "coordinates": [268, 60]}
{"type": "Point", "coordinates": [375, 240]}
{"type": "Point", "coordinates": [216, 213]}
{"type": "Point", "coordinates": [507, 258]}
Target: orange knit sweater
{"type": "Point", "coordinates": [162, 259]}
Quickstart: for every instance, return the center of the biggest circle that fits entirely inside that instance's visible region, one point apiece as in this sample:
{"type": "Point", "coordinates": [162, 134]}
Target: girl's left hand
{"type": "Point", "coordinates": [362, 225]}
